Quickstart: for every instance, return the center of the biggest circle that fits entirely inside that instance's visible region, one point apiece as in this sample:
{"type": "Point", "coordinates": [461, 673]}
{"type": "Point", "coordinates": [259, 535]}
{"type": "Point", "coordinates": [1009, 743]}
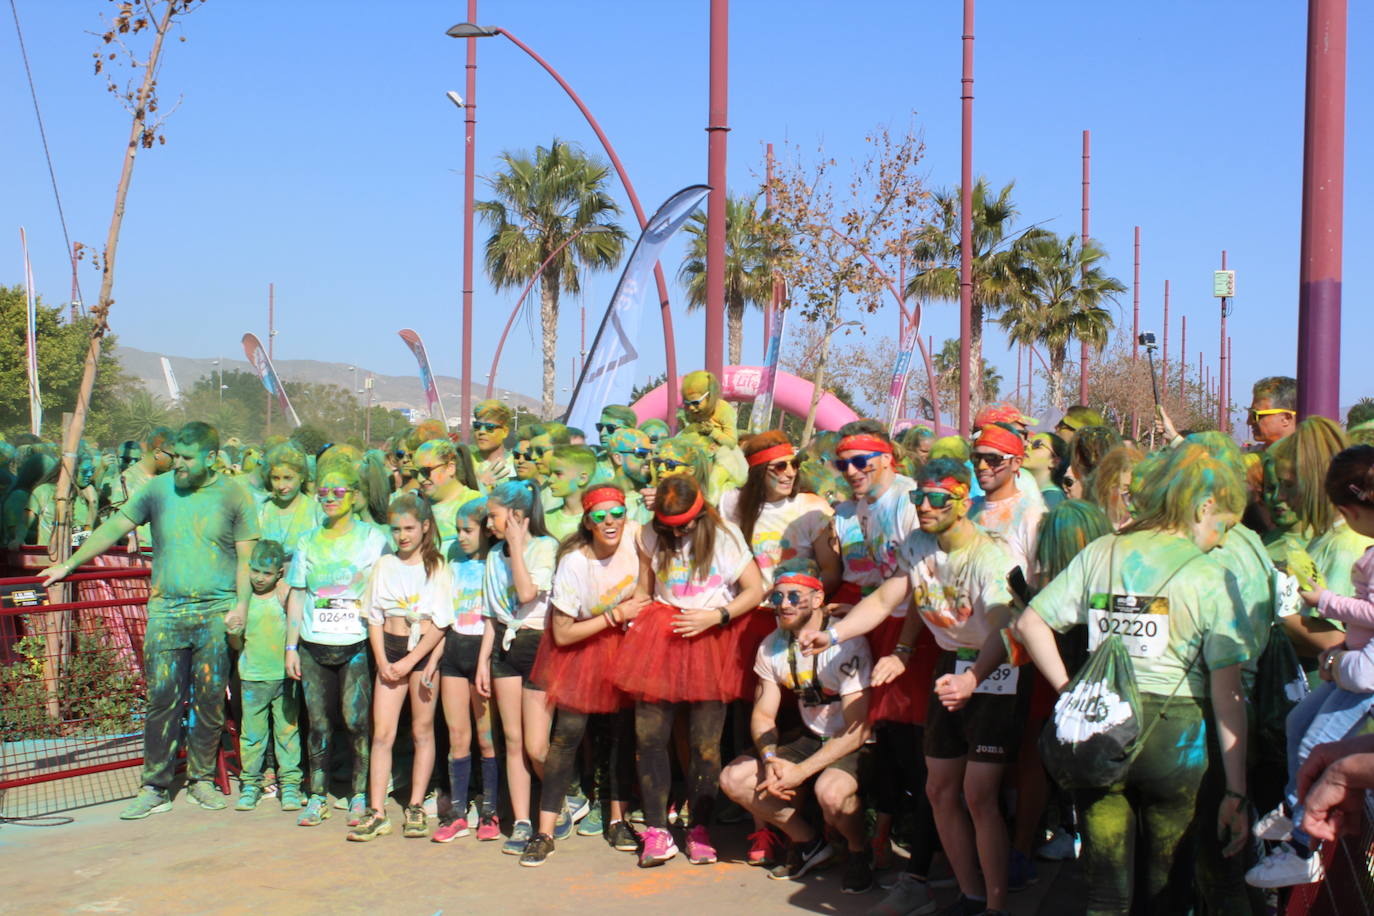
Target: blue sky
{"type": "Point", "coordinates": [314, 149]}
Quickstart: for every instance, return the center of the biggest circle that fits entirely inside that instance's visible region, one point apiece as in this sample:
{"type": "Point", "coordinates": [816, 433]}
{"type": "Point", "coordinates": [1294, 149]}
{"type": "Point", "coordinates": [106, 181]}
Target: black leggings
{"type": "Point", "coordinates": [612, 748]}
{"type": "Point", "coordinates": [653, 728]}
{"type": "Point", "coordinates": [899, 766]}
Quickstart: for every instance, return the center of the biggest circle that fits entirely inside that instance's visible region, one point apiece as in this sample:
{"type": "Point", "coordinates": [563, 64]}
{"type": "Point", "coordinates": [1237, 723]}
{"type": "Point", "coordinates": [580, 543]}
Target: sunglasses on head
{"type": "Point", "coordinates": [938, 499]}
{"type": "Point", "coordinates": [668, 464]}
{"type": "Point", "coordinates": [858, 462]}
{"type": "Point", "coordinates": [607, 428]}
{"type": "Point", "coordinates": [793, 597]}
{"type": "Point", "coordinates": [483, 426]}
{"type": "Point", "coordinates": [335, 492]}
{"type": "Point", "coordinates": [993, 460]}
{"type": "Point", "coordinates": [599, 516]}
{"type": "Point", "coordinates": [777, 467]}
{"type": "Point", "coordinates": [637, 452]}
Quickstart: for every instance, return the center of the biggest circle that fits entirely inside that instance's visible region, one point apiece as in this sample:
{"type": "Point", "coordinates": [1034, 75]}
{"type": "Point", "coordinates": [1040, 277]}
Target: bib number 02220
{"type": "Point", "coordinates": [1142, 622]}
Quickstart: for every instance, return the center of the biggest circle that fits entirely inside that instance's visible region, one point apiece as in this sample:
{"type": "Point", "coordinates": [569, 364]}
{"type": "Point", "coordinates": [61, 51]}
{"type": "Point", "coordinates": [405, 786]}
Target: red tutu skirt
{"type": "Point", "coordinates": [578, 677]}
{"type": "Point", "coordinates": [750, 631]}
{"type": "Point", "coordinates": [907, 698]}
{"type": "Point", "coordinates": [656, 665]}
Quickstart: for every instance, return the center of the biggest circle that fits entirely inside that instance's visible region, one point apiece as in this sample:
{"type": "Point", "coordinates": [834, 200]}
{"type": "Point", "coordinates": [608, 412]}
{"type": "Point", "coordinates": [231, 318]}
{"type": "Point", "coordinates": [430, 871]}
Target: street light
{"type": "Point", "coordinates": [470, 30]}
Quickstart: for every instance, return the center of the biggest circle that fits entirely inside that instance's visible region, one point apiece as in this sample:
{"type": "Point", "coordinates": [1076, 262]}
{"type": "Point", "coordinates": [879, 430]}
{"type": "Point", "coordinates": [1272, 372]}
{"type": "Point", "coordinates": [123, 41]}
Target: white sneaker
{"type": "Point", "coordinates": [1061, 846]}
{"type": "Point", "coordinates": [1285, 868]}
{"type": "Point", "coordinates": [1276, 826]}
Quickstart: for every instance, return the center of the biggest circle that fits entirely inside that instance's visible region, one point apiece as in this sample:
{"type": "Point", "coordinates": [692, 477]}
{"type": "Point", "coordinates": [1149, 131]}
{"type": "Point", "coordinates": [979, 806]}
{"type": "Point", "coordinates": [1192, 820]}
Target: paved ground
{"type": "Point", "coordinates": [190, 861]}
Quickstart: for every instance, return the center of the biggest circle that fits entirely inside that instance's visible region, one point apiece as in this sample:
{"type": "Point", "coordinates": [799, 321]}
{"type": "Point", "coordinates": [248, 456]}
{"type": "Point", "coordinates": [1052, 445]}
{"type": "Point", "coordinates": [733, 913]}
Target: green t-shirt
{"type": "Point", "coordinates": [287, 526]}
{"type": "Point", "coordinates": [1244, 555]}
{"type": "Point", "coordinates": [1193, 607]}
{"type": "Point", "coordinates": [1335, 553]}
{"type": "Point", "coordinates": [194, 561]}
{"type": "Point", "coordinates": [446, 515]}
{"type": "Point", "coordinates": [131, 480]}
{"type": "Point", "coordinates": [264, 640]}
{"type": "Point", "coordinates": [43, 505]}
{"type": "Point", "coordinates": [562, 523]}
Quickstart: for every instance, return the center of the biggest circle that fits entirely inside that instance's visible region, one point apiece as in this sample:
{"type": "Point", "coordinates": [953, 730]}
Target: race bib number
{"type": "Point", "coordinates": [1001, 682]}
{"type": "Point", "coordinates": [1141, 621]}
{"type": "Point", "coordinates": [337, 616]}
{"type": "Point", "coordinates": [1286, 599]}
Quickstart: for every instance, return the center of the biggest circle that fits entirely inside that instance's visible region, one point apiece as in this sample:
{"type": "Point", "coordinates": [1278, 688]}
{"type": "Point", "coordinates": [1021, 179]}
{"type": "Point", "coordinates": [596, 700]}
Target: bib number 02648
{"type": "Point", "coordinates": [337, 615]}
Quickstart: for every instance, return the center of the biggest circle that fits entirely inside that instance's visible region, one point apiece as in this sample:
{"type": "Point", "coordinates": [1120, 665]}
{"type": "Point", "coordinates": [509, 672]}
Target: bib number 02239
{"type": "Point", "coordinates": [1142, 622]}
{"type": "Point", "coordinates": [1001, 682]}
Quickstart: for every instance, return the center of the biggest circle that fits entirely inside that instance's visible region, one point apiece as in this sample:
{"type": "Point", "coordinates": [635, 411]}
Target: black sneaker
{"type": "Point", "coordinates": [966, 906]}
{"type": "Point", "coordinates": [802, 858]}
{"type": "Point", "coordinates": [858, 874]}
{"type": "Point", "coordinates": [622, 836]}
{"type": "Point", "coordinates": [539, 848]}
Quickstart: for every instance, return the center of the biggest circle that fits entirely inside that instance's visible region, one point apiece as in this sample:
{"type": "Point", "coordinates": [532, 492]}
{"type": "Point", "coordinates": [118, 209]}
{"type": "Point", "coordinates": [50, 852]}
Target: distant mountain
{"type": "Point", "coordinates": [398, 391]}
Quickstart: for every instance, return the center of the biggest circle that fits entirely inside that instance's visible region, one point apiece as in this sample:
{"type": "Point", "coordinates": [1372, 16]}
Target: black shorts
{"type": "Point", "coordinates": [806, 744]}
{"type": "Point", "coordinates": [518, 660]}
{"type": "Point", "coordinates": [395, 647]}
{"type": "Point", "coordinates": [460, 655]}
{"type": "Point", "coordinates": [987, 730]}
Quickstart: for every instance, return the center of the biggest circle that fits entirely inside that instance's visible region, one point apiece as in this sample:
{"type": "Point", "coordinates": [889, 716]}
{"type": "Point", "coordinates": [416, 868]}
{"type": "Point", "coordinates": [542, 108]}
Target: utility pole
{"type": "Point", "coordinates": [966, 227]}
{"type": "Point", "coordinates": [1135, 327]}
{"type": "Point", "coordinates": [271, 339]}
{"type": "Point", "coordinates": [469, 189]}
{"type": "Point", "coordinates": [1164, 372]}
{"type": "Point", "coordinates": [717, 126]}
{"type": "Point", "coordinates": [1083, 240]}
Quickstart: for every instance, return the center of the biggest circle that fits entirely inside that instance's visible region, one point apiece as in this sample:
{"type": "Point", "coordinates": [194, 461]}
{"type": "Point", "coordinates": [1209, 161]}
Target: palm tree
{"type": "Point", "coordinates": [136, 416]}
{"type": "Point", "coordinates": [1061, 291]}
{"type": "Point", "coordinates": [748, 279]}
{"type": "Point", "coordinates": [946, 365]}
{"type": "Point", "coordinates": [542, 201]}
{"type": "Point", "coordinates": [995, 257]}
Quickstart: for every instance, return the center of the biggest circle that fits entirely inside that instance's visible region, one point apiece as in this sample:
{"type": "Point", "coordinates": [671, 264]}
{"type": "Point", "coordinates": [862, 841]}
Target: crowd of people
{"type": "Point", "coordinates": [863, 637]}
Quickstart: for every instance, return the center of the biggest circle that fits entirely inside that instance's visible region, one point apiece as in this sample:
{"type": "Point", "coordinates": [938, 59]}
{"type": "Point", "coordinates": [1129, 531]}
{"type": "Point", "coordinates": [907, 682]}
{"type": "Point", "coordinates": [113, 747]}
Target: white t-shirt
{"type": "Point", "coordinates": [468, 608]}
{"type": "Point", "coordinates": [953, 592]}
{"type": "Point", "coordinates": [841, 670]}
{"type": "Point", "coordinates": [675, 583]}
{"type": "Point", "coordinates": [585, 586]}
{"type": "Point", "coordinates": [334, 572]}
{"type": "Point", "coordinates": [498, 587]}
{"type": "Point", "coordinates": [785, 530]}
{"type": "Point", "coordinates": [1015, 522]}
{"type": "Point", "coordinates": [869, 533]}
{"type": "Point", "coordinates": [403, 590]}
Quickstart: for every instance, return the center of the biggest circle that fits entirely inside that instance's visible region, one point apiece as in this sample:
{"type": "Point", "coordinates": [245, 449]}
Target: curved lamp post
{"type": "Point", "coordinates": [470, 30]}
{"type": "Point", "coordinates": [510, 322]}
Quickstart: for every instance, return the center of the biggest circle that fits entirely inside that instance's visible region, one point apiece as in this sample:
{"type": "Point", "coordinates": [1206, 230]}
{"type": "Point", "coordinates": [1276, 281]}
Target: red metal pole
{"type": "Point", "coordinates": [966, 227]}
{"type": "Point", "coordinates": [768, 204]}
{"type": "Point", "coordinates": [1083, 239]}
{"type": "Point", "coordinates": [1323, 187]}
{"type": "Point", "coordinates": [1135, 326]}
{"type": "Point", "coordinates": [717, 126]}
{"type": "Point", "coordinates": [1020, 351]}
{"type": "Point", "coordinates": [1230, 368]}
{"type": "Point", "coordinates": [271, 339]}
{"type": "Point", "coordinates": [1183, 361]}
{"type": "Point", "coordinates": [469, 191]}
{"type": "Point", "coordinates": [1165, 358]}
{"type": "Point", "coordinates": [1222, 420]}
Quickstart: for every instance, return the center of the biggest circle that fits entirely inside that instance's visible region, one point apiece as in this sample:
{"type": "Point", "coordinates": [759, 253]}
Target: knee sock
{"type": "Point", "coordinates": [459, 775]}
{"type": "Point", "coordinates": [491, 784]}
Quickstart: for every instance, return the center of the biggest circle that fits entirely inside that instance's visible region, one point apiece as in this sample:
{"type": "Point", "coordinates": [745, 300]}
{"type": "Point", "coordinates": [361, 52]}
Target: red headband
{"type": "Point", "coordinates": [799, 578]}
{"type": "Point", "coordinates": [1002, 439]}
{"type": "Point", "coordinates": [601, 495]}
{"type": "Point", "coordinates": [950, 484]}
{"type": "Point", "coordinates": [674, 521]}
{"type": "Point", "coordinates": [865, 443]}
{"type": "Point", "coordinates": [771, 454]}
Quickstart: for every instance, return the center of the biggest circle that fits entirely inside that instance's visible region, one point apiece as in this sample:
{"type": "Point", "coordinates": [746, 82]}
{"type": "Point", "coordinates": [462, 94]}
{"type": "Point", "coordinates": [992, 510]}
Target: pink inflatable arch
{"type": "Point", "coordinates": [742, 383]}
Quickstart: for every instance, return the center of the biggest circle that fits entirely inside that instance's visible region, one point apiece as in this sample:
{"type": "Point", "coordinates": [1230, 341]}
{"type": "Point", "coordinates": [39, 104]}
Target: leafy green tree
{"type": "Point", "coordinates": [541, 202]}
{"type": "Point", "coordinates": [1060, 296]}
{"type": "Point", "coordinates": [946, 365]}
{"type": "Point", "coordinates": [61, 354]}
{"type": "Point", "coordinates": [748, 275]}
{"type": "Point", "coordinates": [136, 416]}
{"type": "Point", "coordinates": [995, 258]}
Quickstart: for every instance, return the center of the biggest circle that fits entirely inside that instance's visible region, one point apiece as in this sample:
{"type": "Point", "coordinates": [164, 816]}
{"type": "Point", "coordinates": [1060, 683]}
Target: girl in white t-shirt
{"type": "Point", "coordinates": [702, 576]}
{"type": "Point", "coordinates": [409, 605]}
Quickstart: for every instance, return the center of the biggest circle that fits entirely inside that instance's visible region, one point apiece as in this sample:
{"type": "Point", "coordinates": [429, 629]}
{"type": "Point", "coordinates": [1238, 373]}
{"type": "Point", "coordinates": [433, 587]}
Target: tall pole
{"type": "Point", "coordinates": [1083, 239]}
{"type": "Point", "coordinates": [271, 339]}
{"type": "Point", "coordinates": [1222, 423]}
{"type": "Point", "coordinates": [717, 127]}
{"type": "Point", "coordinates": [1183, 360]}
{"type": "Point", "coordinates": [1020, 351]}
{"type": "Point", "coordinates": [1135, 327]}
{"type": "Point", "coordinates": [1323, 187]}
{"type": "Point", "coordinates": [772, 299]}
{"type": "Point", "coordinates": [966, 227]}
{"type": "Point", "coordinates": [1230, 368]}
{"type": "Point", "coordinates": [469, 190]}
{"type": "Point", "coordinates": [1164, 373]}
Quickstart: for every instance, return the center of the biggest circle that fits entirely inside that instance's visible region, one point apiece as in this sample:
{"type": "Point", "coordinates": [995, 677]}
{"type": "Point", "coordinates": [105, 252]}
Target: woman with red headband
{"type": "Point", "coordinates": [701, 576]}
{"type": "Point", "coordinates": [593, 600]}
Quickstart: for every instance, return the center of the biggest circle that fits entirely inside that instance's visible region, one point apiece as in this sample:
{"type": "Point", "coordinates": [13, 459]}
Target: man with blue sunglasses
{"type": "Point", "coordinates": [628, 450]}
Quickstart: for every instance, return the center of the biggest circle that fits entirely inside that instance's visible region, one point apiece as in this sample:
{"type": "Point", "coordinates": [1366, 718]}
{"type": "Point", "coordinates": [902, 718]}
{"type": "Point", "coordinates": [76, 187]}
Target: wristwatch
{"type": "Point", "coordinates": [724, 616]}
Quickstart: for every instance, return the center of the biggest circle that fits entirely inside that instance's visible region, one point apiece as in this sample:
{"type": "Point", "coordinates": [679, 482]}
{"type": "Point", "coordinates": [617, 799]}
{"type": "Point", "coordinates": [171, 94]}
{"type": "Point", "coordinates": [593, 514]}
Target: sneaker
{"type": "Point", "coordinates": [699, 848]}
{"type": "Point", "coordinates": [415, 826]}
{"type": "Point", "coordinates": [488, 828]}
{"type": "Point", "coordinates": [1020, 872]}
{"type": "Point", "coordinates": [1285, 868]}
{"type": "Point", "coordinates": [910, 896]}
{"type": "Point", "coordinates": [341, 803]}
{"type": "Point", "coordinates": [802, 858]}
{"type": "Point", "coordinates": [269, 784]}
{"type": "Point", "coordinates": [765, 848]}
{"type": "Point", "coordinates": [357, 809]}
{"type": "Point", "coordinates": [1276, 826]}
{"type": "Point", "coordinates": [147, 801]}
{"type": "Point", "coordinates": [431, 803]}
{"type": "Point", "coordinates": [658, 847]}
{"type": "Point", "coordinates": [882, 851]}
{"type": "Point", "coordinates": [966, 906]}
{"type": "Point", "coordinates": [519, 836]}
{"type": "Point", "coordinates": [206, 796]}
{"type": "Point", "coordinates": [1061, 846]}
{"type": "Point", "coordinates": [450, 829]}
{"type": "Point", "coordinates": [858, 874]}
{"type": "Point", "coordinates": [373, 825]}
{"type": "Point", "coordinates": [248, 798]}
{"type": "Point", "coordinates": [290, 798]}
{"type": "Point", "coordinates": [579, 806]}
{"type": "Point", "coordinates": [622, 836]}
{"type": "Point", "coordinates": [563, 826]}
{"type": "Point", "coordinates": [594, 824]}
{"type": "Point", "coordinates": [539, 848]}
{"type": "Point", "coordinates": [316, 812]}
{"type": "Point", "coordinates": [637, 817]}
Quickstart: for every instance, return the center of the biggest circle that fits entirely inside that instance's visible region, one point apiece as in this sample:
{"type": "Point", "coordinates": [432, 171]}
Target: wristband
{"type": "Point", "coordinates": [902, 649]}
{"type": "Point", "coordinates": [1231, 794]}
{"type": "Point", "coordinates": [834, 637]}
{"type": "Point", "coordinates": [724, 616]}
{"type": "Point", "coordinates": [768, 755]}
{"type": "Point", "coordinates": [291, 648]}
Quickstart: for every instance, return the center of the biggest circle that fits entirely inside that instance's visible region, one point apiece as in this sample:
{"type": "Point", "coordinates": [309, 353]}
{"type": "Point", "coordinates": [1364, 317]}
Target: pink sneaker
{"type": "Point", "coordinates": [449, 829]}
{"type": "Point", "coordinates": [658, 847]}
{"type": "Point", "coordinates": [699, 848]}
{"type": "Point", "coordinates": [488, 828]}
